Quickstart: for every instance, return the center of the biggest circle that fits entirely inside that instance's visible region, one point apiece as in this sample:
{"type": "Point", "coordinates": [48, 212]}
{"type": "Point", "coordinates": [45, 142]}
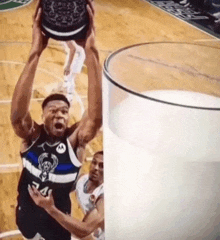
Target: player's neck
{"type": "Point", "coordinates": [92, 185]}
{"type": "Point", "coordinates": [51, 139]}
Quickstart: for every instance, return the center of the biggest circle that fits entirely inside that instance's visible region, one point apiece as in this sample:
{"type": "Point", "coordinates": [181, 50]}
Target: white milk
{"type": "Point", "coordinates": [162, 168]}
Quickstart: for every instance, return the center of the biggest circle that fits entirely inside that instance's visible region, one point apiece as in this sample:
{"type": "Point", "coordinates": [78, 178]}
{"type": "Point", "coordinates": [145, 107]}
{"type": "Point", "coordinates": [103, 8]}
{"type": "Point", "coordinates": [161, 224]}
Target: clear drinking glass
{"type": "Point", "coordinates": [162, 142]}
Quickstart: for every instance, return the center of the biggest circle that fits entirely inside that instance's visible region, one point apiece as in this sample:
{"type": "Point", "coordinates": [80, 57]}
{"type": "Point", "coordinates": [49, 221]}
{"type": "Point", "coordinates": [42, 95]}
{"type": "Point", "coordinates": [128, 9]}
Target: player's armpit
{"type": "Point", "coordinates": [84, 133]}
{"type": "Point", "coordinates": [88, 130]}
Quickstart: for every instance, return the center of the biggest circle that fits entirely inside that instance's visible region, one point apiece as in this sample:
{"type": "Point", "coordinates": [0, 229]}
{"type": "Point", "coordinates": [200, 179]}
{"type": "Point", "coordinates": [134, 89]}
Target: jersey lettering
{"type": "Point", "coordinates": [44, 191]}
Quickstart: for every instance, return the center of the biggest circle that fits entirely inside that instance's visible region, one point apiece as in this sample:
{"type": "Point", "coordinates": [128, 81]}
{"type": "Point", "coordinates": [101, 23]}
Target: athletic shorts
{"type": "Point", "coordinates": [31, 221]}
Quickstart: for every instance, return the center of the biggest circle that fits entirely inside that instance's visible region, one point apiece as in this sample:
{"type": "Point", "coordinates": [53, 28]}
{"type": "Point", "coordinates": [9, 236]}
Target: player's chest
{"type": "Point", "coordinates": [50, 162]}
{"type": "Point", "coordinates": [44, 152]}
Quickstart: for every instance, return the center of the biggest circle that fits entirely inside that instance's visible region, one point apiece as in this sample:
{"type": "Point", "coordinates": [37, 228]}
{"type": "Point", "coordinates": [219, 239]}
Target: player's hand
{"type": "Point", "coordinates": [39, 40]}
{"type": "Point", "coordinates": [36, 10]}
{"type": "Point", "coordinates": [90, 36]}
{"type": "Point", "coordinates": [66, 70]}
{"type": "Point", "coordinates": [41, 201]}
{"type": "Point", "coordinates": [89, 41]}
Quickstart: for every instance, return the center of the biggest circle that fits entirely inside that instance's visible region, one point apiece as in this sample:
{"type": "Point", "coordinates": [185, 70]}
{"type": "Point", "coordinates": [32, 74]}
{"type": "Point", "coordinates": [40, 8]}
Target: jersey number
{"type": "Point", "coordinates": [43, 191]}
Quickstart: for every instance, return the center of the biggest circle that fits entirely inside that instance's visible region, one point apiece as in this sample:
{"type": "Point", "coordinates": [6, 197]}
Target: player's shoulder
{"type": "Point", "coordinates": [81, 180]}
{"type": "Point", "coordinates": [100, 189]}
{"type": "Point", "coordinates": [83, 177]}
{"type": "Point", "coordinates": [100, 194]}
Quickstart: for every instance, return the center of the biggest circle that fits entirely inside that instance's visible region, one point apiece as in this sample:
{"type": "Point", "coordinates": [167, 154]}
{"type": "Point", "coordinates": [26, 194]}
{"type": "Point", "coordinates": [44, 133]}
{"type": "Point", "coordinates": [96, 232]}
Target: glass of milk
{"type": "Point", "coordinates": [162, 142]}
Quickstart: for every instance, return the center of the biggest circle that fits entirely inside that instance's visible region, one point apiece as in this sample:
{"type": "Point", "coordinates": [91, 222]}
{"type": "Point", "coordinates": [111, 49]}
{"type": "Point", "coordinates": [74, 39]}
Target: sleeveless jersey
{"type": "Point", "coordinates": [46, 167]}
{"type": "Point", "coordinates": [88, 200]}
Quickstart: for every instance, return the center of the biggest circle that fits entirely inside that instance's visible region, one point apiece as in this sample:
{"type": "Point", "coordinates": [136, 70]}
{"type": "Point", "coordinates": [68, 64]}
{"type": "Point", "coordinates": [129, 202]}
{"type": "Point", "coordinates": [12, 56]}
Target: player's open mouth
{"type": "Point", "coordinates": [59, 126]}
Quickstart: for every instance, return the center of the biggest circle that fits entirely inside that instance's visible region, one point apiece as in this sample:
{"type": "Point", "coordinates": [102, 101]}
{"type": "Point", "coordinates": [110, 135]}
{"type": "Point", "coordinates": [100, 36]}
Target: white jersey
{"type": "Point", "coordinates": [88, 200]}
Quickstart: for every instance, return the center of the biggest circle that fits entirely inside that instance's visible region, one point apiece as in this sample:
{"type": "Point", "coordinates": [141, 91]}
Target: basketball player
{"type": "Point", "coordinates": [90, 193]}
{"type": "Point", "coordinates": [73, 66]}
{"type": "Point", "coordinates": [75, 58]}
{"type": "Point", "coordinates": [52, 153]}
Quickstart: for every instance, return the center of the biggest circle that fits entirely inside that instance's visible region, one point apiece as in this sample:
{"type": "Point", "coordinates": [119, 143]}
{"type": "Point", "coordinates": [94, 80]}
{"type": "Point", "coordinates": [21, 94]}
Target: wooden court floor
{"type": "Point", "coordinates": [118, 24]}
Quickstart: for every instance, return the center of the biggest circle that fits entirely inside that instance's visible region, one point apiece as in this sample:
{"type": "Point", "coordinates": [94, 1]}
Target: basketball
{"type": "Point", "coordinates": [64, 19]}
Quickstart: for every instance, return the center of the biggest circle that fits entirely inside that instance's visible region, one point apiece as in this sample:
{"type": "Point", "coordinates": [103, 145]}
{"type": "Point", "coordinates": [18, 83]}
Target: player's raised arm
{"type": "Point", "coordinates": [94, 71]}
{"type": "Point", "coordinates": [20, 116]}
{"type": "Point", "coordinates": [92, 119]}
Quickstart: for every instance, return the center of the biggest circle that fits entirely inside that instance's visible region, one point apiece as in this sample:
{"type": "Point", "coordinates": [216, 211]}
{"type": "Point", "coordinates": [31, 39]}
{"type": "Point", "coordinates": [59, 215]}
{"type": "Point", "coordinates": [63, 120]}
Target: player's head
{"type": "Point", "coordinates": [55, 114]}
{"type": "Point", "coordinates": [96, 168]}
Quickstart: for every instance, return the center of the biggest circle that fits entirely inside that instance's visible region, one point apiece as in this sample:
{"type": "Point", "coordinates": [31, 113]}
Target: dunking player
{"type": "Point", "coordinates": [90, 193]}
{"type": "Point", "coordinates": [52, 153]}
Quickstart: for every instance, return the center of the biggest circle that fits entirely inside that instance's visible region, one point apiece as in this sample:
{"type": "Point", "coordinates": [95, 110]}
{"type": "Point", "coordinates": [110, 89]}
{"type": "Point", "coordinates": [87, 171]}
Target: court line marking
{"type": "Point", "coordinates": [11, 165]}
{"type": "Point", "coordinates": [39, 68]}
{"type": "Point", "coordinates": [10, 234]}
{"type": "Point", "coordinates": [208, 40]}
{"type": "Point", "coordinates": [14, 233]}
{"type": "Point", "coordinates": [9, 101]}
{"type": "Point", "coordinates": [5, 2]}
{"type": "Point", "coordinates": [10, 168]}
{"type": "Point", "coordinates": [18, 42]}
{"type": "Point", "coordinates": [17, 7]}
{"type": "Point", "coordinates": [49, 44]}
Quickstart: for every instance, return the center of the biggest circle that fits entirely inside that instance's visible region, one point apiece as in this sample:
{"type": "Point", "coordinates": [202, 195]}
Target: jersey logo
{"type": "Point", "coordinates": [92, 198]}
{"type": "Point", "coordinates": [42, 146]}
{"type": "Point", "coordinates": [47, 163]}
{"type": "Point", "coordinates": [61, 148]}
{"type": "Point", "coordinates": [9, 4]}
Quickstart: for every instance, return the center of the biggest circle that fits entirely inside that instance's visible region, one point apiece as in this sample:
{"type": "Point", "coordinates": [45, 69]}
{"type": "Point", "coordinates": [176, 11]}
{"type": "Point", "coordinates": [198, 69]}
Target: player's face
{"type": "Point", "coordinates": [96, 168]}
{"type": "Point", "coordinates": [56, 117]}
